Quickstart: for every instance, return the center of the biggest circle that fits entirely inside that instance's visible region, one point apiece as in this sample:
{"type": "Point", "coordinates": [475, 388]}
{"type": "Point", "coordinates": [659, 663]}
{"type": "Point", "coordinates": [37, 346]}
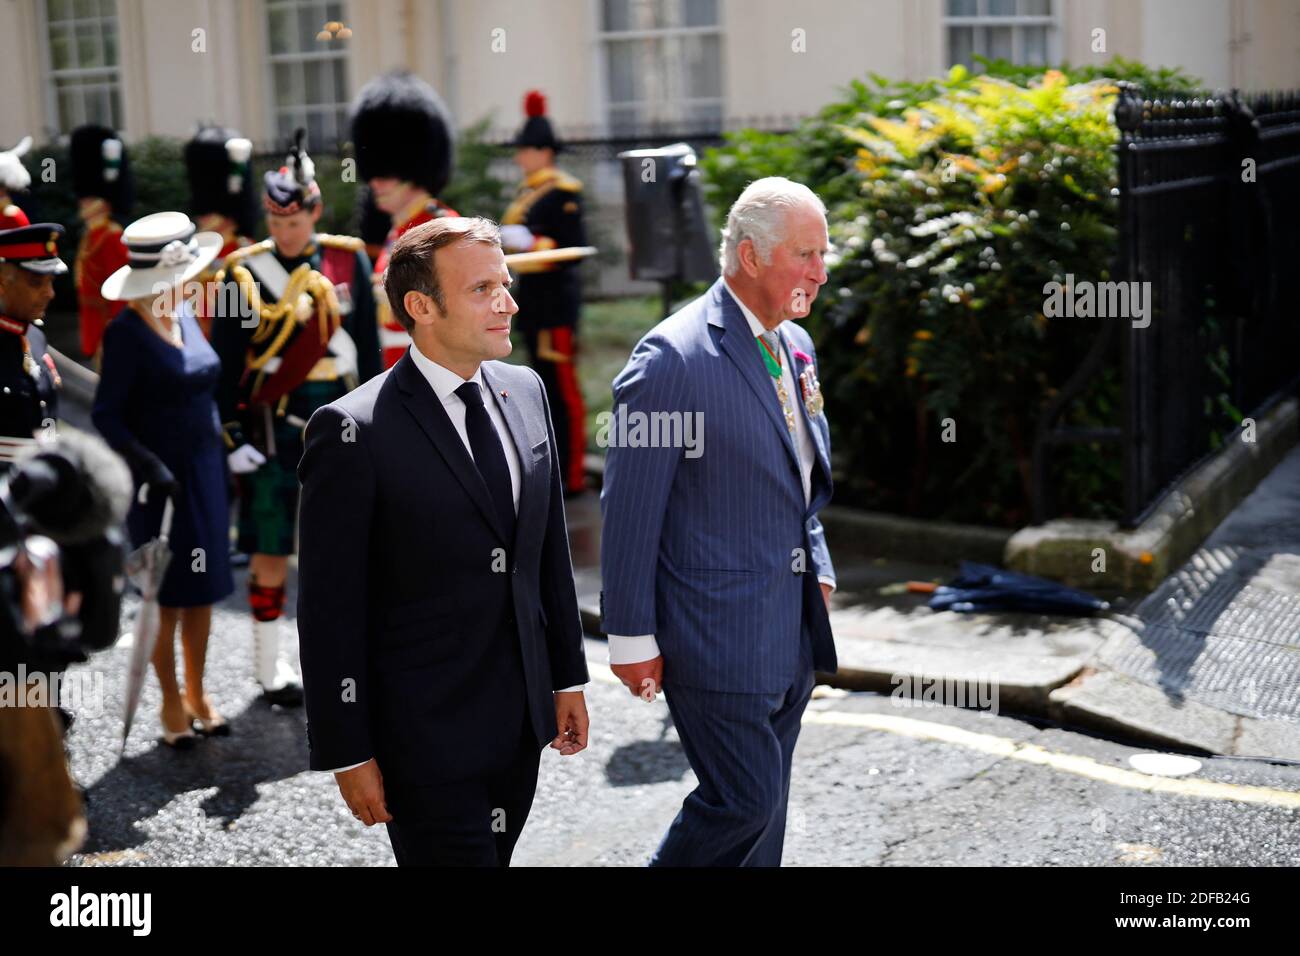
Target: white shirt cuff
{"type": "Point", "coordinates": [632, 650]}
{"type": "Point", "coordinates": [341, 769]}
{"type": "Point", "coordinates": [569, 690]}
{"type": "Point", "coordinates": [829, 581]}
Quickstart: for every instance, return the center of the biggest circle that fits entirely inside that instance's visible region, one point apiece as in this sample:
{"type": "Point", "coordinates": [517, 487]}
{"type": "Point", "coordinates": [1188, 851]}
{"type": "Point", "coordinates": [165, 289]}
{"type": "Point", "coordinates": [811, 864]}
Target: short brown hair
{"type": "Point", "coordinates": [411, 265]}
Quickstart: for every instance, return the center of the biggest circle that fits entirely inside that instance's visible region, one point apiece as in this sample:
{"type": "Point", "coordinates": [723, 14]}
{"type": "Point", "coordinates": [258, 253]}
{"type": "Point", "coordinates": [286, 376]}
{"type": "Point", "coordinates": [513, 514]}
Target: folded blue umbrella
{"type": "Point", "coordinates": [982, 587]}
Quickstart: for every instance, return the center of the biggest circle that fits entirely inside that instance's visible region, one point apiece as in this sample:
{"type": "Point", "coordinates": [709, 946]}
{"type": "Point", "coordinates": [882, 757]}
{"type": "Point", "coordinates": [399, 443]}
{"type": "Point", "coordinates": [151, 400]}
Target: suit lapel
{"type": "Point", "coordinates": [738, 342]}
{"type": "Point", "coordinates": [423, 404]}
{"type": "Point", "coordinates": [518, 431]}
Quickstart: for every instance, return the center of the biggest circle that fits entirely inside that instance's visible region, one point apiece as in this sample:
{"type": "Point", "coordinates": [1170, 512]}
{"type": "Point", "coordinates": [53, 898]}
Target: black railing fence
{"type": "Point", "coordinates": [1209, 195]}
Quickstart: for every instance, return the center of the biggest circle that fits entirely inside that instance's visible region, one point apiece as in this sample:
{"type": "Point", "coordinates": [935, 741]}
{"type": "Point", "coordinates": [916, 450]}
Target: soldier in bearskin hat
{"type": "Point", "coordinates": [405, 147]}
{"type": "Point", "coordinates": [218, 163]}
{"type": "Point", "coordinates": [547, 214]}
{"type": "Point", "coordinates": [295, 330]}
{"type": "Point", "coordinates": [101, 180]}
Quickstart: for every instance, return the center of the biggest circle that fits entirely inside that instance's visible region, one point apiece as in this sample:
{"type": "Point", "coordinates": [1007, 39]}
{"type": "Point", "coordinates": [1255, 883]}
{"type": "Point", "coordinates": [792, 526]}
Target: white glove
{"type": "Point", "coordinates": [517, 238]}
{"type": "Point", "coordinates": [245, 459]}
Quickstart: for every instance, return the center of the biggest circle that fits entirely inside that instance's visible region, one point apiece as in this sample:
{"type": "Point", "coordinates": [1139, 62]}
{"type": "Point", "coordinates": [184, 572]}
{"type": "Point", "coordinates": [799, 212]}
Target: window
{"type": "Point", "coordinates": [663, 65]}
{"type": "Point", "coordinates": [1022, 31]}
{"type": "Point", "coordinates": [81, 56]}
{"type": "Point", "coordinates": [308, 71]}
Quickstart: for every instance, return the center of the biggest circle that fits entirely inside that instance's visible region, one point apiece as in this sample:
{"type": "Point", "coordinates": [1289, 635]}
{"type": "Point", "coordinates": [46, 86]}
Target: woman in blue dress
{"type": "Point", "coordinates": [155, 406]}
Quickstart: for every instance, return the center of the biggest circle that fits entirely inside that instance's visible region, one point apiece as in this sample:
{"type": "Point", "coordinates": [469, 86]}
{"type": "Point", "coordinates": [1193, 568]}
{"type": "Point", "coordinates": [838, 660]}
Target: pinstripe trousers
{"type": "Point", "coordinates": [740, 747]}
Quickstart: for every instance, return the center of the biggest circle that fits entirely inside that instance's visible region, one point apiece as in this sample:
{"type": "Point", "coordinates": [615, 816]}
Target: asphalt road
{"type": "Point", "coordinates": [875, 783]}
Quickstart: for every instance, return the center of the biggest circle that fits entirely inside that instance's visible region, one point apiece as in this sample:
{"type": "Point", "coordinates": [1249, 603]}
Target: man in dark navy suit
{"type": "Point", "coordinates": [438, 621]}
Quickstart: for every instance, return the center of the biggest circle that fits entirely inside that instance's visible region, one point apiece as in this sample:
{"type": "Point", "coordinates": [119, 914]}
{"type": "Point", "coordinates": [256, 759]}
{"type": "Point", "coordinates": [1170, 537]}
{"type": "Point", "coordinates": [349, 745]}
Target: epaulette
{"type": "Point", "coordinates": [571, 184]}
{"type": "Point", "coordinates": [329, 241]}
{"type": "Point", "coordinates": [234, 256]}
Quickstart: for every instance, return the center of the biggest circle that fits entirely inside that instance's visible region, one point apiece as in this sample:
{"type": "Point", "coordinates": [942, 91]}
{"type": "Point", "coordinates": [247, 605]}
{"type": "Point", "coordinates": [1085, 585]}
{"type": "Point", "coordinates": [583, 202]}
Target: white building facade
{"type": "Point", "coordinates": [608, 67]}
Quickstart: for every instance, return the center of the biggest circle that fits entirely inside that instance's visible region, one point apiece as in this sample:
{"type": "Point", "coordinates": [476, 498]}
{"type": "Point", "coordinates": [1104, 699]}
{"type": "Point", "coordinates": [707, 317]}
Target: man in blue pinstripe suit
{"type": "Point", "coordinates": [716, 575]}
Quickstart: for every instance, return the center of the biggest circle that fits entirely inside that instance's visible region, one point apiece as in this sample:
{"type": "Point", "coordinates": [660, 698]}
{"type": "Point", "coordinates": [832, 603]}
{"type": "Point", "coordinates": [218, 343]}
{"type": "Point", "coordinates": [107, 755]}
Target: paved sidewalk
{"type": "Point", "coordinates": [1220, 638]}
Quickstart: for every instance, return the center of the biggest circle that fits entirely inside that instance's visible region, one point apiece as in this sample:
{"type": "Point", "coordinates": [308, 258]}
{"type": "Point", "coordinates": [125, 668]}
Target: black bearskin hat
{"type": "Point", "coordinates": [218, 162]}
{"type": "Point", "coordinates": [100, 167]}
{"type": "Point", "coordinates": [401, 129]}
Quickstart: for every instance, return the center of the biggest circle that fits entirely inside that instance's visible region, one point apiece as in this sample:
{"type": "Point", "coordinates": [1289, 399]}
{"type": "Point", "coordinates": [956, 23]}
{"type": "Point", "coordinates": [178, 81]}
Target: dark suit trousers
{"type": "Point", "coordinates": [740, 747]}
{"type": "Point", "coordinates": [473, 822]}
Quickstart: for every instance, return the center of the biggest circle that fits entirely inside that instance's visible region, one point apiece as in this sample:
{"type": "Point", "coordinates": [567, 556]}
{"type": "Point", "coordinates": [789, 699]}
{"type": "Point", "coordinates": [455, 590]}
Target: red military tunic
{"type": "Point", "coordinates": [100, 254]}
{"type": "Point", "coordinates": [393, 339]}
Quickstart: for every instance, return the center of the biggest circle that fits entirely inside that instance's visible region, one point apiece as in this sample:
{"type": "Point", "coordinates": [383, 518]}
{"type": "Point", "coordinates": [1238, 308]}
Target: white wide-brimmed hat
{"type": "Point", "coordinates": [163, 250]}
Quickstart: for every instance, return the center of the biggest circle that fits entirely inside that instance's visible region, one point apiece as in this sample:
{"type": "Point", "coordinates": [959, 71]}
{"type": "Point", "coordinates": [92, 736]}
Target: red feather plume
{"type": "Point", "coordinates": [534, 103]}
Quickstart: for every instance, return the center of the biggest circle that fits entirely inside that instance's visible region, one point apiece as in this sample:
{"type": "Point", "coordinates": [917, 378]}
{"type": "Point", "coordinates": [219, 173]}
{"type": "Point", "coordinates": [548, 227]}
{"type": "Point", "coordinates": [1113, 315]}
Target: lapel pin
{"type": "Point", "coordinates": [504, 394]}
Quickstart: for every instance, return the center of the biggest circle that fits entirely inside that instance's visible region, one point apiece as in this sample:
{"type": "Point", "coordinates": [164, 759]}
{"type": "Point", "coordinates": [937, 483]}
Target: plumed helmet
{"type": "Point", "coordinates": [14, 176]}
{"type": "Point", "coordinates": [536, 130]}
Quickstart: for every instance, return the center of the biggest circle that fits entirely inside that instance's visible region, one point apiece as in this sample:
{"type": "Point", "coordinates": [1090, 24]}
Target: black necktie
{"type": "Point", "coordinates": [489, 456]}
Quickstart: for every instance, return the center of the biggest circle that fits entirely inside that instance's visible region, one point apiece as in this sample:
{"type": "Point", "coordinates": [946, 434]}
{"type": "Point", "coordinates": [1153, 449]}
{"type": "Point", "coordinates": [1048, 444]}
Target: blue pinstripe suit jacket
{"type": "Point", "coordinates": [716, 553]}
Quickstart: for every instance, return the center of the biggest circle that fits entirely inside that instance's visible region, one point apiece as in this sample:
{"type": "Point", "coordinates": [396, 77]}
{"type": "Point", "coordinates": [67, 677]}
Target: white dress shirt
{"type": "Point", "coordinates": [643, 647]}
{"type": "Point", "coordinates": [444, 383]}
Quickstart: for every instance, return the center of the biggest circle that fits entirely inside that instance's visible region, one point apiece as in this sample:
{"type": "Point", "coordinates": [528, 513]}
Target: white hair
{"type": "Point", "coordinates": [759, 215]}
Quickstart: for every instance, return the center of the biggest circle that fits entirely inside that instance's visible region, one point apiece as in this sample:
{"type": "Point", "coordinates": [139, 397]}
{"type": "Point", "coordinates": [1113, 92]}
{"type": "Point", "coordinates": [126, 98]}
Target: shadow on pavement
{"type": "Point", "coordinates": [264, 746]}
